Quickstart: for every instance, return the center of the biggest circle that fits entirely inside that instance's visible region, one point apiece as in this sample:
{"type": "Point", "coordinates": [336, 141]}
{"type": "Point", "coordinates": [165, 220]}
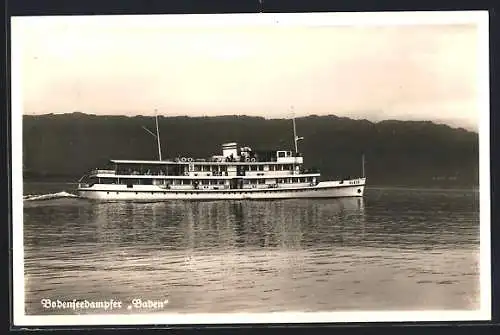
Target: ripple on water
{"type": "Point", "coordinates": [398, 250]}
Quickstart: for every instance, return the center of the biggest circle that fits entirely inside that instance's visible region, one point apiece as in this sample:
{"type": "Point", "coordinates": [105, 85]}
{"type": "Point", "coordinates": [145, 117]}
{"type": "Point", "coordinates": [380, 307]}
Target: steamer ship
{"type": "Point", "coordinates": [238, 172]}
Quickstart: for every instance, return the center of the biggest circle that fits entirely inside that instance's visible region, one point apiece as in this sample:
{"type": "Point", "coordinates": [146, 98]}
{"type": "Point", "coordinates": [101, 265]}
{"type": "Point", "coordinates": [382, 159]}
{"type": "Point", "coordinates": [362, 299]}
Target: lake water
{"type": "Point", "coordinates": [396, 249]}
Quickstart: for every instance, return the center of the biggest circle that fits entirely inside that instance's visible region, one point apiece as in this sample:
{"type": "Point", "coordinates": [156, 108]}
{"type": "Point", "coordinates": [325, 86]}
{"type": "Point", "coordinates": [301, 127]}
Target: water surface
{"type": "Point", "coordinates": [396, 249]}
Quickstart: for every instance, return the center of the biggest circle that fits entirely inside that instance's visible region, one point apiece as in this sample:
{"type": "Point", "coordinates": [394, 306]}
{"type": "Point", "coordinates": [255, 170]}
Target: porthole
{"type": "Point", "coordinates": [359, 190]}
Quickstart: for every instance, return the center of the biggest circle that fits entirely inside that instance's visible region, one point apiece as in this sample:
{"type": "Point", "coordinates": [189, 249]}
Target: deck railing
{"type": "Point", "coordinates": [102, 171]}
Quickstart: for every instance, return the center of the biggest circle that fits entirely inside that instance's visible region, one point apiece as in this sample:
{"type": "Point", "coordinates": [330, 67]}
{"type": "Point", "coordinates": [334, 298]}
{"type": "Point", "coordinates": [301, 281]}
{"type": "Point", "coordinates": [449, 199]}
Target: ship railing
{"type": "Point", "coordinates": [102, 171]}
{"type": "Point", "coordinates": [139, 173]}
{"type": "Point", "coordinates": [162, 173]}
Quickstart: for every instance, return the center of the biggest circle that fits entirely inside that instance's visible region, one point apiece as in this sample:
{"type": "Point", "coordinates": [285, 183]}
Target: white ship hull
{"type": "Point", "coordinates": [326, 189]}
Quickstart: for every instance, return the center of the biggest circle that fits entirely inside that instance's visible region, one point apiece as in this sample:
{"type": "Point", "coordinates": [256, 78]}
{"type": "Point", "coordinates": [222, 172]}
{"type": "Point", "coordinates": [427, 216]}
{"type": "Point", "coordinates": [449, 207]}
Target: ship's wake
{"type": "Point", "coordinates": [48, 196]}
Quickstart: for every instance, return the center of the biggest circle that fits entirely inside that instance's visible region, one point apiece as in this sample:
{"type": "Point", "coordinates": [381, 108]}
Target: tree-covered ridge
{"type": "Point", "coordinates": [396, 152]}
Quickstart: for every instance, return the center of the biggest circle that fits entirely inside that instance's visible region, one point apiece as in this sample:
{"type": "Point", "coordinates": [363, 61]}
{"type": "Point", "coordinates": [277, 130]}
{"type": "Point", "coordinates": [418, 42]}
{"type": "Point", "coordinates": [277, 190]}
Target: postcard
{"type": "Point", "coordinates": [250, 168]}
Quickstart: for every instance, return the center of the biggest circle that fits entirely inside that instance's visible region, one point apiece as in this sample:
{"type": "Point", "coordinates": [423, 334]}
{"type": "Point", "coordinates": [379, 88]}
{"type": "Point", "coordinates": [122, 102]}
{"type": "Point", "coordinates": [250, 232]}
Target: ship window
{"type": "Point", "coordinates": [92, 181]}
{"type": "Point", "coordinates": [288, 153]}
{"type": "Point", "coordinates": [253, 168]}
{"type": "Point", "coordinates": [261, 167]}
{"type": "Point", "coordinates": [108, 180]}
{"type": "Point", "coordinates": [281, 154]}
{"type": "Point", "coordinates": [262, 181]}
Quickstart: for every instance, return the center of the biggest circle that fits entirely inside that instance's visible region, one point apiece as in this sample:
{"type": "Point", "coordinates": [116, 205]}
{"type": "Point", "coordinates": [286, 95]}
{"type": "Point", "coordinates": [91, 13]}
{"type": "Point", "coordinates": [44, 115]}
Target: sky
{"type": "Point", "coordinates": [184, 65]}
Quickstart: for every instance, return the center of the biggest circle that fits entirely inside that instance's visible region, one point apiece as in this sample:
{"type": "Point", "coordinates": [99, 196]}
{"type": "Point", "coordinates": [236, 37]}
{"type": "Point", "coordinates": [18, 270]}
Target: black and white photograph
{"type": "Point", "coordinates": [250, 168]}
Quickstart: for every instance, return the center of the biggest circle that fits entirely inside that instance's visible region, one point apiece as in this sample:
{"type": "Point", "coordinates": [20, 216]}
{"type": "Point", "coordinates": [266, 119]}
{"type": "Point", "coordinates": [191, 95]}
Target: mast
{"type": "Point", "coordinates": [158, 135]}
{"type": "Point", "coordinates": [295, 137]}
{"type": "Point", "coordinates": [294, 131]}
{"type": "Point", "coordinates": [363, 165]}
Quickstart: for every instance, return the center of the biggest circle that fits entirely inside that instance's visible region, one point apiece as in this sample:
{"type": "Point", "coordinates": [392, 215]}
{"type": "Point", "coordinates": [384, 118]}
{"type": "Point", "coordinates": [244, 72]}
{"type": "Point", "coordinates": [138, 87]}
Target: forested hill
{"type": "Point", "coordinates": [397, 152]}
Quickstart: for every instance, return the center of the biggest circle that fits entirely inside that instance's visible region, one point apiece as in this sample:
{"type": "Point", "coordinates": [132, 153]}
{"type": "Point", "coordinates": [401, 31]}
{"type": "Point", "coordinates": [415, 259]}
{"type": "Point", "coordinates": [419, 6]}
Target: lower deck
{"type": "Point", "coordinates": [347, 188]}
{"type": "Point", "coordinates": [212, 183]}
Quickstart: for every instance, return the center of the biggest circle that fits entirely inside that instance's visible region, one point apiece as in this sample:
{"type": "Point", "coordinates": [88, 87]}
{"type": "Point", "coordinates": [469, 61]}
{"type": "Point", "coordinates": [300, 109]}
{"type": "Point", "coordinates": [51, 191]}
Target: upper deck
{"type": "Point", "coordinates": [231, 155]}
{"type": "Point", "coordinates": [234, 162]}
{"type": "Point", "coordinates": [293, 160]}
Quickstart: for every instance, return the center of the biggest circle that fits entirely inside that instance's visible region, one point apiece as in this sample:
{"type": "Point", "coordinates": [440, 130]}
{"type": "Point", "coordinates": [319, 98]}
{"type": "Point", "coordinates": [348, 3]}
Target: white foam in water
{"type": "Point", "coordinates": [31, 197]}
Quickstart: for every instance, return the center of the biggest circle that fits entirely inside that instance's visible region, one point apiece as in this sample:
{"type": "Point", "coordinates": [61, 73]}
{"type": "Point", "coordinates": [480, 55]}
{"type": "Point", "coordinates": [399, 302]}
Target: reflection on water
{"type": "Point", "coordinates": [392, 250]}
